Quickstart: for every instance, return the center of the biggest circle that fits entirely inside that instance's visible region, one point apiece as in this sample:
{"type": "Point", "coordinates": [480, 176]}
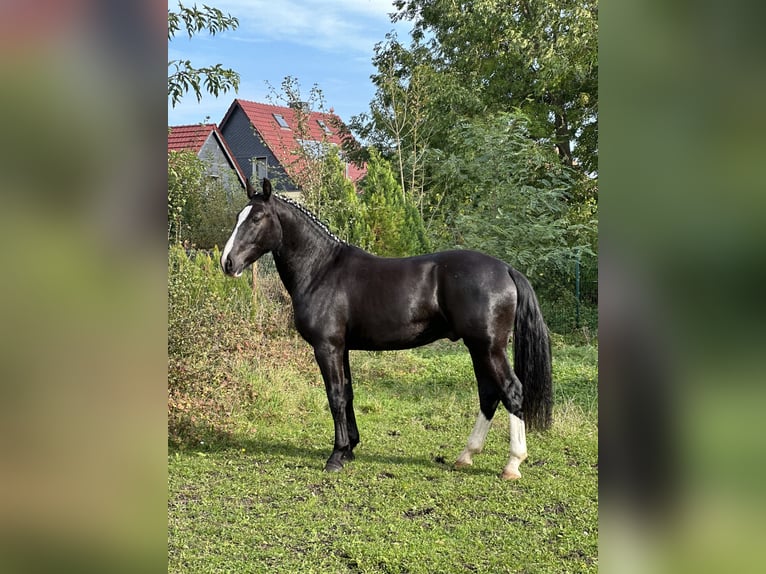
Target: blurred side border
{"type": "Point", "coordinates": [83, 288]}
{"type": "Point", "coordinates": [681, 273]}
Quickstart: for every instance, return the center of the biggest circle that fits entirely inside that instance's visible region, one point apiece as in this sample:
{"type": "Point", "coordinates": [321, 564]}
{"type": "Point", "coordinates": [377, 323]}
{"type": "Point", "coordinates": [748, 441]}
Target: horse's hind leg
{"type": "Point", "coordinates": [518, 449]}
{"type": "Point", "coordinates": [497, 381]}
{"type": "Point", "coordinates": [512, 399]}
{"type": "Point", "coordinates": [488, 401]}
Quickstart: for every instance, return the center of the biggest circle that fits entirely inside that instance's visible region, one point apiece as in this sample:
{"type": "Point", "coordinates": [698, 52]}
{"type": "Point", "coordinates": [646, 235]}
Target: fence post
{"type": "Point", "coordinates": [255, 289]}
{"type": "Point", "coordinates": [577, 291]}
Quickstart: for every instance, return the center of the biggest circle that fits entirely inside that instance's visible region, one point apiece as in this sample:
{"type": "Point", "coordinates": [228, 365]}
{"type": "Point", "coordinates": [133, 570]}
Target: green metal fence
{"type": "Point", "coordinates": [573, 306]}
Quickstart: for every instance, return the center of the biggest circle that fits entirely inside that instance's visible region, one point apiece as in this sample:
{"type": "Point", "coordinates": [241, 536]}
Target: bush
{"type": "Point", "coordinates": [224, 338]}
{"type": "Point", "coordinates": [208, 318]}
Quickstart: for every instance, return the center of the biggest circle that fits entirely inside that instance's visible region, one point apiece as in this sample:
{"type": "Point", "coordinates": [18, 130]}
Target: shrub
{"type": "Point", "coordinates": [208, 317]}
{"type": "Point", "coordinates": [224, 337]}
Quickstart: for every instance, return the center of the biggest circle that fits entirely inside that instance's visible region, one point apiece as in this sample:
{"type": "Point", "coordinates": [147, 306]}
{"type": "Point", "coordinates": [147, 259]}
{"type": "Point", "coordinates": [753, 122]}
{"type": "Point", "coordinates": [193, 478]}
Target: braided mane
{"type": "Point", "coordinates": [311, 217]}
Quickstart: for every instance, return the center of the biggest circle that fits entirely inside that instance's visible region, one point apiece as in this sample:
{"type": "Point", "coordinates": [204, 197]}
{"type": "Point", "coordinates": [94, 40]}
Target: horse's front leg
{"type": "Point", "coordinates": [330, 360]}
{"type": "Point", "coordinates": [353, 430]}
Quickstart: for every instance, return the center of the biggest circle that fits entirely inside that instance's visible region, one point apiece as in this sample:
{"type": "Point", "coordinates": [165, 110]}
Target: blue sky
{"type": "Point", "coordinates": [324, 42]}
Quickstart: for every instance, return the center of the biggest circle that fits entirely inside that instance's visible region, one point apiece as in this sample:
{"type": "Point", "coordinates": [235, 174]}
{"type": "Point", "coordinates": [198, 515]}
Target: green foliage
{"type": "Point", "coordinates": [200, 208]}
{"type": "Point", "coordinates": [197, 19]}
{"type": "Point", "coordinates": [540, 56]}
{"type": "Point", "coordinates": [343, 211]}
{"type": "Point", "coordinates": [470, 113]}
{"type": "Point", "coordinates": [381, 218]}
{"type": "Point", "coordinates": [401, 120]}
{"type": "Point", "coordinates": [503, 193]}
{"type": "Point", "coordinates": [215, 324]}
{"type": "Point", "coordinates": [186, 172]}
{"type": "Point", "coordinates": [394, 223]}
{"type": "Point", "coordinates": [210, 211]}
{"type": "Point", "coordinates": [208, 318]}
{"type": "Point", "coordinates": [214, 79]}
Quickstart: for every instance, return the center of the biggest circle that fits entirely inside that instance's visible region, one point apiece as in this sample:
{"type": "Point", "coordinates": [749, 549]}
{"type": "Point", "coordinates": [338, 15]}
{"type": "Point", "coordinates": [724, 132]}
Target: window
{"type": "Point", "coordinates": [260, 168]}
{"type": "Point", "coordinates": [281, 121]}
{"type": "Point", "coordinates": [324, 127]}
{"type": "Point", "coordinates": [314, 148]}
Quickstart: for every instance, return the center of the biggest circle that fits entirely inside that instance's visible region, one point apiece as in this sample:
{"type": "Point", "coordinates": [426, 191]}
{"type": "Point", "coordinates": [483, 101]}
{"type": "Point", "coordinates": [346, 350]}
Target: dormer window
{"type": "Point", "coordinates": [281, 121]}
{"type": "Point", "coordinates": [324, 127]}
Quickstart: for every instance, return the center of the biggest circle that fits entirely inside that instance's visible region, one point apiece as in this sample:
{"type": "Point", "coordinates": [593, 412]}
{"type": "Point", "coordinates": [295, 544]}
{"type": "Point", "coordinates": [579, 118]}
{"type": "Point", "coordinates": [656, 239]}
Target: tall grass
{"type": "Point", "coordinates": [214, 331]}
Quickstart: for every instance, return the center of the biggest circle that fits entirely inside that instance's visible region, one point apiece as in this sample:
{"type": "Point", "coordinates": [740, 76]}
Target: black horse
{"type": "Point", "coordinates": [345, 298]}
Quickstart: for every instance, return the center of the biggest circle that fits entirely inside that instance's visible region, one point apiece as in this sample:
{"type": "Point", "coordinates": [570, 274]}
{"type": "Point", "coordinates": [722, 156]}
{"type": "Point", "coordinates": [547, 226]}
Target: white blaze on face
{"type": "Point", "coordinates": [230, 243]}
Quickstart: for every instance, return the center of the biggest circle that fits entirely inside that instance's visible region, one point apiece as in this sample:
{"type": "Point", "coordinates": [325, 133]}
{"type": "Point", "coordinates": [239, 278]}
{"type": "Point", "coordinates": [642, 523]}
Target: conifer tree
{"type": "Point", "coordinates": [393, 221]}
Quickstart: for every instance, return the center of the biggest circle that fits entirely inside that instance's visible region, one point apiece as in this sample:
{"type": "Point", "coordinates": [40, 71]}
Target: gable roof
{"type": "Point", "coordinates": [189, 138]}
{"type": "Point", "coordinates": [278, 125]}
{"type": "Point", "coordinates": [193, 137]}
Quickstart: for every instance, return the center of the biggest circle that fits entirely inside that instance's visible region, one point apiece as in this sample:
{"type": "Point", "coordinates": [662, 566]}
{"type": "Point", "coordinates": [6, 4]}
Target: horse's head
{"type": "Point", "coordinates": [256, 232]}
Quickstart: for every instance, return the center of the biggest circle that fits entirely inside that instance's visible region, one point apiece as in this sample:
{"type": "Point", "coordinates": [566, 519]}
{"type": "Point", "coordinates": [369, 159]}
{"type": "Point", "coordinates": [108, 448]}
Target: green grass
{"type": "Point", "coordinates": [258, 501]}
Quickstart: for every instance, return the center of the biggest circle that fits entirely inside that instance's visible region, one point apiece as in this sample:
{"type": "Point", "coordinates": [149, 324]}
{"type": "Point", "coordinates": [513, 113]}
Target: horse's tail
{"type": "Point", "coordinates": [532, 356]}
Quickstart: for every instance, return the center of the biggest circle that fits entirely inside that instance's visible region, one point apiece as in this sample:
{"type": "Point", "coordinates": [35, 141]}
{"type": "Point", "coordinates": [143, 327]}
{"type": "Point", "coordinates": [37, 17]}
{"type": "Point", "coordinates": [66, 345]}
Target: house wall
{"type": "Point", "coordinates": [219, 168]}
{"type": "Point", "coordinates": [245, 144]}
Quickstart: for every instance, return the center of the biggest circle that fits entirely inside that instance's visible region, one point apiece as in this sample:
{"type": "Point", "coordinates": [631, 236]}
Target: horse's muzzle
{"type": "Point", "coordinates": [228, 266]}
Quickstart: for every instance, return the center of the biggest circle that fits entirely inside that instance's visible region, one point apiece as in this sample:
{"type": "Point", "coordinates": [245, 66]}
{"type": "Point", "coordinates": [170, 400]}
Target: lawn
{"type": "Point", "coordinates": [258, 501]}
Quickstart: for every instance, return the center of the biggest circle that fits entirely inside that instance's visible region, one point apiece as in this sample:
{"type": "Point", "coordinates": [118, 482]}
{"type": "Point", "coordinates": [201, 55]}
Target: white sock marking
{"type": "Point", "coordinates": [479, 433]}
{"type": "Point", "coordinates": [518, 438]}
{"type": "Point", "coordinates": [475, 440]}
{"type": "Point", "coordinates": [230, 243]}
{"type": "Point", "coordinates": [518, 449]}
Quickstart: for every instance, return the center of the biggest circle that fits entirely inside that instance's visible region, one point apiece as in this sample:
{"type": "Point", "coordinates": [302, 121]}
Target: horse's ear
{"type": "Point", "coordinates": [250, 189]}
{"type": "Point", "coordinates": [266, 188]}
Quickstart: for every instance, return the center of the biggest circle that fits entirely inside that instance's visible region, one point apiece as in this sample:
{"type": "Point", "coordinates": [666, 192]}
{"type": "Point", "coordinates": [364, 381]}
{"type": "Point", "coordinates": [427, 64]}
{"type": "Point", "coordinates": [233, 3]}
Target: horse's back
{"type": "Point", "coordinates": [407, 302]}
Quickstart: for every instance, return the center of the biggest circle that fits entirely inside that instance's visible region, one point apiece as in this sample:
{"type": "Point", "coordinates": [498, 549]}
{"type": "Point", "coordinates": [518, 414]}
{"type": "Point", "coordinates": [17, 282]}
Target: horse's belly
{"type": "Point", "coordinates": [383, 337]}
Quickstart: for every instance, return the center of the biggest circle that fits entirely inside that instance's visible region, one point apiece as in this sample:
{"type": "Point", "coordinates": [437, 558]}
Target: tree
{"type": "Point", "coordinates": [210, 210]}
{"type": "Point", "coordinates": [393, 222]}
{"type": "Point", "coordinates": [184, 77]}
{"type": "Point", "coordinates": [344, 212]}
{"type": "Point", "coordinates": [512, 197]}
{"type": "Point", "coordinates": [540, 56]}
{"type": "Point", "coordinates": [399, 111]}
{"type": "Point", "coordinates": [414, 107]}
{"type": "Point", "coordinates": [306, 166]}
{"type": "Point", "coordinates": [382, 218]}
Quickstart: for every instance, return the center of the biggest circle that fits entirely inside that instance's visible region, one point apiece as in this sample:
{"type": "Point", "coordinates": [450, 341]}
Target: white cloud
{"type": "Point", "coordinates": [327, 25]}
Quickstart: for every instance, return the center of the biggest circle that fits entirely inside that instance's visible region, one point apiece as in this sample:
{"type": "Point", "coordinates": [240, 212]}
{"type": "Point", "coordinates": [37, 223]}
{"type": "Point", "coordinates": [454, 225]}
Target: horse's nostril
{"type": "Point", "coordinates": [227, 265]}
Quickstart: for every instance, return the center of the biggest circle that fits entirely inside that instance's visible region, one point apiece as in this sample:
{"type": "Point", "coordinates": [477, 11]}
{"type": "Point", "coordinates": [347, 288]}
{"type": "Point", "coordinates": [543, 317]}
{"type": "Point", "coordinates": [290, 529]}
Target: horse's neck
{"type": "Point", "coordinates": [305, 251]}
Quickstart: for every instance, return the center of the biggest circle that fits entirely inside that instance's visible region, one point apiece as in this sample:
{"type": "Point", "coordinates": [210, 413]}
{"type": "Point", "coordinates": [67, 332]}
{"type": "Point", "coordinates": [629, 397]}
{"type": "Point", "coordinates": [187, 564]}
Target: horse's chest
{"type": "Point", "coordinates": [320, 317]}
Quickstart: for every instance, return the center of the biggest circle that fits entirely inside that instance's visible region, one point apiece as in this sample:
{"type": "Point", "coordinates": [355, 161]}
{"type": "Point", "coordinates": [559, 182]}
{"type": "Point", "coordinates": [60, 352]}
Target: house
{"type": "Point", "coordinates": [265, 140]}
{"type": "Point", "coordinates": [207, 141]}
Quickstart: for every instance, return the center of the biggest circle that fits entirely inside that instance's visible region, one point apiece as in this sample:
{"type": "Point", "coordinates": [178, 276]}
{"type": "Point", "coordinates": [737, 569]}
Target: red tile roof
{"type": "Point", "coordinates": [189, 138]}
{"type": "Point", "coordinates": [193, 137]}
{"type": "Point", "coordinates": [282, 141]}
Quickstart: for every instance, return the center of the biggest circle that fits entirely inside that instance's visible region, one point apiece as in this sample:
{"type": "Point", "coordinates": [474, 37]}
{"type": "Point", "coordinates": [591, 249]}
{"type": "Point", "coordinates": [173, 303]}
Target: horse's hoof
{"type": "Point", "coordinates": [510, 474]}
{"type": "Point", "coordinates": [463, 463]}
{"type": "Point", "coordinates": [336, 462]}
